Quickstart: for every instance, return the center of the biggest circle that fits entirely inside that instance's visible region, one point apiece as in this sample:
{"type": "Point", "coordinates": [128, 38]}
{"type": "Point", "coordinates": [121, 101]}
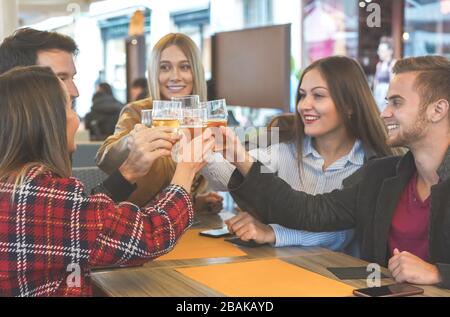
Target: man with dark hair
{"type": "Point", "coordinates": [27, 47]}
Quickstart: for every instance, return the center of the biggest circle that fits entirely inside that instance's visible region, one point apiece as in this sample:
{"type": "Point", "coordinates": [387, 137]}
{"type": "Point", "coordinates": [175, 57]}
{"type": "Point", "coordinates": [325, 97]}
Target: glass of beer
{"type": "Point", "coordinates": [195, 120]}
{"type": "Point", "coordinates": [146, 117]}
{"type": "Point", "coordinates": [166, 114]}
{"type": "Point", "coordinates": [191, 101]}
{"type": "Point", "coordinates": [217, 117]}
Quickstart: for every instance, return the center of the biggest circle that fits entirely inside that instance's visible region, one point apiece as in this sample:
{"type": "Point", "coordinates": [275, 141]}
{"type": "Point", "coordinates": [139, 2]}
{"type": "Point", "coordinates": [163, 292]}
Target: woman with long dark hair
{"type": "Point", "coordinates": [337, 128]}
{"type": "Point", "coordinates": [51, 231]}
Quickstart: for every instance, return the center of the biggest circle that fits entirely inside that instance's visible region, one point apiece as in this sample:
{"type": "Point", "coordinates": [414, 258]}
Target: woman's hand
{"type": "Point", "coordinates": [234, 152]}
{"type": "Point", "coordinates": [191, 157]}
{"type": "Point", "coordinates": [246, 227]}
{"type": "Point", "coordinates": [211, 202]}
{"type": "Point", "coordinates": [146, 145]}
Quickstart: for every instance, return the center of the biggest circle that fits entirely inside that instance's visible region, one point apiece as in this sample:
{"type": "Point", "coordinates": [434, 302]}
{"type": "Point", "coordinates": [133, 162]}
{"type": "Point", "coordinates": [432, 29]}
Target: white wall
{"type": "Point", "coordinates": [9, 20]}
{"type": "Point", "coordinates": [226, 15]}
{"type": "Point", "coordinates": [89, 61]}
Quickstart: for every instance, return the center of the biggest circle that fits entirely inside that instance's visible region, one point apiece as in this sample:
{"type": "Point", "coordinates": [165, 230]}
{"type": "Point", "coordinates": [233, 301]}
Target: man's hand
{"type": "Point", "coordinates": [406, 267]}
{"type": "Point", "coordinates": [211, 202]}
{"type": "Point", "coordinates": [146, 145]}
{"type": "Point", "coordinates": [248, 228]}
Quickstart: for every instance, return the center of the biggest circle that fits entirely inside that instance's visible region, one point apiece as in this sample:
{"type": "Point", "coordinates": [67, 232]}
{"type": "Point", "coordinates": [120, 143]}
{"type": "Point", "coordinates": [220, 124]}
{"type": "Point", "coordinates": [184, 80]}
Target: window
{"type": "Point", "coordinates": [330, 27]}
{"type": "Point", "coordinates": [427, 27]}
{"type": "Point", "coordinates": [258, 12]}
{"type": "Point", "coordinates": [114, 32]}
{"type": "Point", "coordinates": [196, 25]}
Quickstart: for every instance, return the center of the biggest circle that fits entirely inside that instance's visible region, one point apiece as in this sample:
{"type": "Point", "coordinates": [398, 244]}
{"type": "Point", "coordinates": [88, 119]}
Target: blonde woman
{"type": "Point", "coordinates": [175, 69]}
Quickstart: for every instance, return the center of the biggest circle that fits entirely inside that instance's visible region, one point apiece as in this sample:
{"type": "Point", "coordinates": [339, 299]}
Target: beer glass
{"type": "Point", "coordinates": [217, 114]}
{"type": "Point", "coordinates": [166, 114]}
{"type": "Point", "coordinates": [191, 101]}
{"type": "Point", "coordinates": [146, 117]}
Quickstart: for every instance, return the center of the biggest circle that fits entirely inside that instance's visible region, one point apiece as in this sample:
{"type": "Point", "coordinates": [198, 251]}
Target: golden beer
{"type": "Point", "coordinates": [217, 123]}
{"type": "Point", "coordinates": [169, 123]}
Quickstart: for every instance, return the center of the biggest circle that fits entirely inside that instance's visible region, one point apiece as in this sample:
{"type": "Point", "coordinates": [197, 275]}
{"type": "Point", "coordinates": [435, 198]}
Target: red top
{"type": "Point", "coordinates": [51, 234]}
{"type": "Point", "coordinates": [410, 224]}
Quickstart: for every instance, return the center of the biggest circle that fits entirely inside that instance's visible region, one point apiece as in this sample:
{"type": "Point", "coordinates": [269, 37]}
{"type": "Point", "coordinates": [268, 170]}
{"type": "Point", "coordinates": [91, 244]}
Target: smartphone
{"type": "Point", "coordinates": [393, 290]}
{"type": "Point", "coordinates": [216, 233]}
{"type": "Point", "coordinates": [248, 244]}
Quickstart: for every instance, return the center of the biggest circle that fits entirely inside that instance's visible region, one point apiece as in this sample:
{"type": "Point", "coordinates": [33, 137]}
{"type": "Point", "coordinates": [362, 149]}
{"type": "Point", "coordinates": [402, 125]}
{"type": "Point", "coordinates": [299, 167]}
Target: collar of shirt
{"type": "Point", "coordinates": [355, 156]}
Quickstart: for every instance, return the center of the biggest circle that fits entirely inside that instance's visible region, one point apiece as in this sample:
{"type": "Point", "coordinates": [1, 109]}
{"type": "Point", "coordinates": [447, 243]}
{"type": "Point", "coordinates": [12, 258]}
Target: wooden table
{"type": "Point", "coordinates": [160, 278]}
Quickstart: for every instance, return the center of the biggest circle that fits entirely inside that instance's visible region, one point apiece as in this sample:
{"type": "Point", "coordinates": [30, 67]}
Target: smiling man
{"type": "Point", "coordinates": [401, 206]}
{"type": "Point", "coordinates": [27, 47]}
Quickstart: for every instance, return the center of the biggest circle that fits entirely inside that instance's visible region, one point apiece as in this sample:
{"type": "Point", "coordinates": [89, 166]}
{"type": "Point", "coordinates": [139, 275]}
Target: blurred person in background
{"type": "Point", "coordinates": [104, 114]}
{"type": "Point", "coordinates": [383, 74]}
{"type": "Point", "coordinates": [139, 89]}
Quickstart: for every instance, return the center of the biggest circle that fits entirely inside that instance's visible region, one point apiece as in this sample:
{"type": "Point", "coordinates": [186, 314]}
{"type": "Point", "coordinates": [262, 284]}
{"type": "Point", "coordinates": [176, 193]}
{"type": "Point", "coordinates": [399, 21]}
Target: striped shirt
{"type": "Point", "coordinates": [282, 160]}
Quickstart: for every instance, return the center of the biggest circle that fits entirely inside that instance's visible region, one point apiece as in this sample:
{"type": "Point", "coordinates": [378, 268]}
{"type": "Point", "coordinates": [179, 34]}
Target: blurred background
{"type": "Point", "coordinates": [110, 52]}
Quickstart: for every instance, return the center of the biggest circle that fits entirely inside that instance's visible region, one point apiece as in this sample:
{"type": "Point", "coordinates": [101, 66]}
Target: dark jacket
{"type": "Point", "coordinates": [103, 117]}
{"type": "Point", "coordinates": [368, 206]}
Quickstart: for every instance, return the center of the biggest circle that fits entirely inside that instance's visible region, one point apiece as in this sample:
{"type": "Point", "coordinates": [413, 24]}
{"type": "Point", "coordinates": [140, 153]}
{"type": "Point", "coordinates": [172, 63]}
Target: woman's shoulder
{"type": "Point", "coordinates": [41, 180]}
{"type": "Point", "coordinates": [140, 104]}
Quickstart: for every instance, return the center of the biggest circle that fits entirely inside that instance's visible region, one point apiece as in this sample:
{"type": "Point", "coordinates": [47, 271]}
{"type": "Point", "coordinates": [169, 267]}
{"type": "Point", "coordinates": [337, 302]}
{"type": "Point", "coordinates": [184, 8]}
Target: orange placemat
{"type": "Point", "coordinates": [266, 278]}
{"type": "Point", "coordinates": [194, 246]}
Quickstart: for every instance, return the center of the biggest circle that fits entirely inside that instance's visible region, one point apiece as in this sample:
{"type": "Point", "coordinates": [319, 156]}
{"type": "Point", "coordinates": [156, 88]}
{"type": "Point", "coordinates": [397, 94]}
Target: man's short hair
{"type": "Point", "coordinates": [21, 48]}
{"type": "Point", "coordinates": [433, 79]}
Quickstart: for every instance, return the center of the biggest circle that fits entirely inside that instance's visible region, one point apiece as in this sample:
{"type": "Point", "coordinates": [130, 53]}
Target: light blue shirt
{"type": "Point", "coordinates": [282, 160]}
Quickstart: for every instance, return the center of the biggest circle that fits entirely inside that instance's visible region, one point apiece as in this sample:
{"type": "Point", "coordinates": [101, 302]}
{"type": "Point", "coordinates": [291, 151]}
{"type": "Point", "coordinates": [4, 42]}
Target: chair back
{"type": "Point", "coordinates": [89, 176]}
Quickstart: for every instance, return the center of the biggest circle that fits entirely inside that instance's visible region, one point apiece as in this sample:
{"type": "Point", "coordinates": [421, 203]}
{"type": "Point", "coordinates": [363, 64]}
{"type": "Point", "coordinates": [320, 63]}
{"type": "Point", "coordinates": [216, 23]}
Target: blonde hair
{"type": "Point", "coordinates": [188, 47]}
{"type": "Point", "coordinates": [33, 122]}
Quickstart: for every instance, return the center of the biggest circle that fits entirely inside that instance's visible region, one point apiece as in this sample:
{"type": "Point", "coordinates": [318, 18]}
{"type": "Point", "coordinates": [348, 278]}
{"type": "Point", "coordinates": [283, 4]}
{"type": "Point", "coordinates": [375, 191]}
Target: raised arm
{"type": "Point", "coordinates": [276, 202]}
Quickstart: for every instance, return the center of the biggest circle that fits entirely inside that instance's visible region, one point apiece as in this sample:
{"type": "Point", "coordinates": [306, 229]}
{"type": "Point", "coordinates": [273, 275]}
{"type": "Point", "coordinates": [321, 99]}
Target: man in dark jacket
{"type": "Point", "coordinates": [104, 114]}
{"type": "Point", "coordinates": [400, 206]}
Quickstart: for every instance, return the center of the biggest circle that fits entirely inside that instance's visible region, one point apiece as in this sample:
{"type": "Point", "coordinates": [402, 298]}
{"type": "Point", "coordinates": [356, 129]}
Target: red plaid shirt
{"type": "Point", "coordinates": [53, 233]}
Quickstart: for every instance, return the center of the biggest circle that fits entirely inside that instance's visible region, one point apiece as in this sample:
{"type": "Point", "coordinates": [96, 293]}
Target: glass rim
{"type": "Point", "coordinates": [168, 102]}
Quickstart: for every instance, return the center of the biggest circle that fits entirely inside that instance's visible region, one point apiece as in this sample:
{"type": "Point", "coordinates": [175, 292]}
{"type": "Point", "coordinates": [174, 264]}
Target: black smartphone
{"type": "Point", "coordinates": [393, 290]}
{"type": "Point", "coordinates": [216, 233]}
{"type": "Point", "coordinates": [248, 244]}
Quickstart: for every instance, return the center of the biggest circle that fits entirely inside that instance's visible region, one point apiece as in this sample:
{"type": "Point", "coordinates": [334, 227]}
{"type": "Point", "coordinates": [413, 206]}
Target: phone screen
{"type": "Point", "coordinates": [393, 290]}
{"type": "Point", "coordinates": [216, 233]}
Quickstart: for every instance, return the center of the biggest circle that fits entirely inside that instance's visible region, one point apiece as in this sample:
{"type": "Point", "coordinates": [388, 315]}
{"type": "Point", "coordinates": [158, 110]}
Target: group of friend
{"type": "Point", "coordinates": [347, 178]}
